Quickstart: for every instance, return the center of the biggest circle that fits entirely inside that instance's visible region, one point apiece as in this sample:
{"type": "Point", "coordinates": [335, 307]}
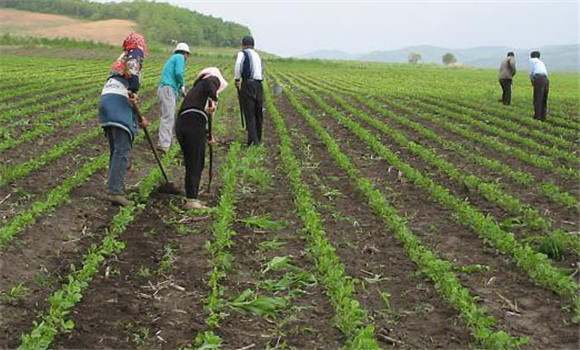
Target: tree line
{"type": "Point", "coordinates": [159, 22]}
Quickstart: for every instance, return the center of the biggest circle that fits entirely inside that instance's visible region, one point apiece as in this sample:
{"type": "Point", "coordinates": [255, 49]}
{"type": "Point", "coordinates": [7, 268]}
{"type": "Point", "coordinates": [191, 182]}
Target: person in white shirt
{"type": "Point", "coordinates": [541, 84]}
{"type": "Point", "coordinates": [248, 77]}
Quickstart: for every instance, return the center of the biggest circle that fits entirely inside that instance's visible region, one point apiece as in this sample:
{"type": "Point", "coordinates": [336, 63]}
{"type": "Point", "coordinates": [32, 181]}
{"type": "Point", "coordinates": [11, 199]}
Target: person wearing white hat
{"type": "Point", "coordinates": [170, 86]}
{"type": "Point", "coordinates": [193, 127]}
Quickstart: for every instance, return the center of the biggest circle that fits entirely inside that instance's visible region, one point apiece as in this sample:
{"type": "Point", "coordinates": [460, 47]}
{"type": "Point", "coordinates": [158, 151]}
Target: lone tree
{"type": "Point", "coordinates": [414, 58]}
{"type": "Point", "coordinates": [449, 58]}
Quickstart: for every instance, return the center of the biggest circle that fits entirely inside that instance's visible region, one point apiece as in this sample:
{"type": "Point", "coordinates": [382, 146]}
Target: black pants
{"type": "Point", "coordinates": [541, 89]}
{"type": "Point", "coordinates": [191, 135]}
{"type": "Point", "coordinates": [252, 99]}
{"type": "Point", "coordinates": [506, 86]}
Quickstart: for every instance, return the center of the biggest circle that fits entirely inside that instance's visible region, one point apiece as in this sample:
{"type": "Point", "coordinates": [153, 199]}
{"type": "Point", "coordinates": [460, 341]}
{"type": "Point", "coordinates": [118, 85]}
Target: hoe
{"type": "Point", "coordinates": [167, 187]}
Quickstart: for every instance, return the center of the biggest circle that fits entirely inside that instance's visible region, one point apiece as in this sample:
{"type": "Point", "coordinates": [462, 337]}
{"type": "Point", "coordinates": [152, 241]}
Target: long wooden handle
{"type": "Point", "coordinates": [148, 137]}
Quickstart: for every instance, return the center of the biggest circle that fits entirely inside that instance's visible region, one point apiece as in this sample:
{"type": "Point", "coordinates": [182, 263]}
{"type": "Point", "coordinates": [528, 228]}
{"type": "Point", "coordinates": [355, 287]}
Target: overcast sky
{"type": "Point", "coordinates": [290, 28]}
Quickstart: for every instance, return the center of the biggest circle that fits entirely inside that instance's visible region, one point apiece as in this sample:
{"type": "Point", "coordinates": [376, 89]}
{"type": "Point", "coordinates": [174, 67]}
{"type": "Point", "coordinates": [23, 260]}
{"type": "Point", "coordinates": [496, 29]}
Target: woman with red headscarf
{"type": "Point", "coordinates": [116, 114]}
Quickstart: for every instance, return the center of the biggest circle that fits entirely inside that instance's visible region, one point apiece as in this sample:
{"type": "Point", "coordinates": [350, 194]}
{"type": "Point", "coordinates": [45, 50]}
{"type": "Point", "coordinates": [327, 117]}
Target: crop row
{"type": "Point", "coordinates": [536, 265]}
{"type": "Point", "coordinates": [61, 302]}
{"type": "Point", "coordinates": [466, 131]}
{"type": "Point", "coordinates": [471, 103]}
{"type": "Point", "coordinates": [66, 83]}
{"type": "Point", "coordinates": [550, 189]}
{"type": "Point", "coordinates": [350, 318]}
{"type": "Point", "coordinates": [492, 192]}
{"type": "Point", "coordinates": [440, 271]}
{"type": "Point", "coordinates": [56, 196]}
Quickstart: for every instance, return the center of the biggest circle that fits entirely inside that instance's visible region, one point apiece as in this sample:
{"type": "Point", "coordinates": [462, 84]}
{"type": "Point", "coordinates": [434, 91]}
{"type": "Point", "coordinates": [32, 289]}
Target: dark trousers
{"type": "Point", "coordinates": [252, 99]}
{"type": "Point", "coordinates": [506, 86]}
{"type": "Point", "coordinates": [541, 89]}
{"type": "Point", "coordinates": [191, 135]}
{"type": "Point", "coordinates": [119, 153]}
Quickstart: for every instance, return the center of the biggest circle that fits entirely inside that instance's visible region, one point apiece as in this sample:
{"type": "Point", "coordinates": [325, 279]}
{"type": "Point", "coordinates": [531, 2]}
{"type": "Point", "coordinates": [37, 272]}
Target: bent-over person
{"type": "Point", "coordinates": [116, 115]}
{"type": "Point", "coordinates": [194, 116]}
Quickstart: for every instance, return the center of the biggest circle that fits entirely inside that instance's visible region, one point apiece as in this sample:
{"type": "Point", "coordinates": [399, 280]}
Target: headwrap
{"type": "Point", "coordinates": [135, 41]}
{"type": "Point", "coordinates": [130, 64]}
{"type": "Point", "coordinates": [213, 72]}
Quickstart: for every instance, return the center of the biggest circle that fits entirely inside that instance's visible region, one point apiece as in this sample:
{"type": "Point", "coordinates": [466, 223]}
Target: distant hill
{"type": "Point", "coordinates": [159, 22]}
{"type": "Point", "coordinates": [557, 58]}
{"type": "Point", "coordinates": [34, 24]}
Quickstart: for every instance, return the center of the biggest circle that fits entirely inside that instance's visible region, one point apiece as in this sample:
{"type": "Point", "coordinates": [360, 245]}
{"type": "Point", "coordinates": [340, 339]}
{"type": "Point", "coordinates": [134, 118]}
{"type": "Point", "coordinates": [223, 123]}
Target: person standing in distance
{"type": "Point", "coordinates": [248, 77]}
{"type": "Point", "coordinates": [170, 86]}
{"type": "Point", "coordinates": [541, 84]}
{"type": "Point", "coordinates": [507, 70]}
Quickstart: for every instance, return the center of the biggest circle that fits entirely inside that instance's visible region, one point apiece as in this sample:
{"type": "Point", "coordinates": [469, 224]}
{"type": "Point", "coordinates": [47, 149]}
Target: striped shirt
{"type": "Point", "coordinates": [248, 65]}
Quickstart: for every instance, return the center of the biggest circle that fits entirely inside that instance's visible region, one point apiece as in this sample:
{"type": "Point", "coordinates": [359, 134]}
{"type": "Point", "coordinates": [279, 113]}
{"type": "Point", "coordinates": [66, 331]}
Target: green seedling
{"type": "Point", "coordinates": [376, 278]}
{"type": "Point", "coordinates": [332, 194]}
{"type": "Point", "coordinates": [42, 278]}
{"type": "Point", "coordinates": [278, 263]}
{"type": "Point", "coordinates": [259, 305]}
{"type": "Point", "coordinates": [16, 292]}
{"type": "Point", "coordinates": [263, 222]}
{"type": "Point", "coordinates": [386, 298]}
{"type": "Point", "coordinates": [207, 340]}
{"type": "Point", "coordinates": [167, 260]}
{"type": "Point", "coordinates": [144, 272]}
{"type": "Point", "coordinates": [271, 245]}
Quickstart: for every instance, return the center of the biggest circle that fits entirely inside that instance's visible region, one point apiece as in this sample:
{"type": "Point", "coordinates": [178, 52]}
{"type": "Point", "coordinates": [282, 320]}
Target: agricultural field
{"type": "Point", "coordinates": [391, 206]}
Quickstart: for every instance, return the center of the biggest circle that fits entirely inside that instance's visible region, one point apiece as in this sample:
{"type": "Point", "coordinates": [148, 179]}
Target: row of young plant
{"type": "Point", "coordinates": [526, 179]}
{"type": "Point", "coordinates": [350, 318]}
{"type": "Point", "coordinates": [26, 130]}
{"type": "Point", "coordinates": [17, 77]}
{"type": "Point", "coordinates": [16, 171]}
{"type": "Point", "coordinates": [240, 166]}
{"type": "Point", "coordinates": [52, 99]}
{"type": "Point", "coordinates": [73, 114]}
{"type": "Point", "coordinates": [537, 265]}
{"type": "Point", "coordinates": [552, 152]}
{"type": "Point", "coordinates": [515, 122]}
{"type": "Point", "coordinates": [48, 98]}
{"type": "Point", "coordinates": [502, 131]}
{"type": "Point", "coordinates": [441, 272]}
{"type": "Point", "coordinates": [32, 94]}
{"type": "Point", "coordinates": [57, 196]}
{"type": "Point", "coordinates": [57, 319]}
{"type": "Point", "coordinates": [492, 192]}
{"type": "Point", "coordinates": [475, 108]}
{"type": "Point", "coordinates": [477, 92]}
{"type": "Point", "coordinates": [468, 133]}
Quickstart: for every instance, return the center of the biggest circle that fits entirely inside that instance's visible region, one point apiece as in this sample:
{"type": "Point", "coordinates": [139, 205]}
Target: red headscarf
{"type": "Point", "coordinates": [135, 41]}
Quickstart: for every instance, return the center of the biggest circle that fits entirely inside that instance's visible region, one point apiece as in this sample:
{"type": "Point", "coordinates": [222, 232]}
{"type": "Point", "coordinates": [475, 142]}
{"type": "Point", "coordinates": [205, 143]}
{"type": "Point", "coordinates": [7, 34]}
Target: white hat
{"type": "Point", "coordinates": [182, 47]}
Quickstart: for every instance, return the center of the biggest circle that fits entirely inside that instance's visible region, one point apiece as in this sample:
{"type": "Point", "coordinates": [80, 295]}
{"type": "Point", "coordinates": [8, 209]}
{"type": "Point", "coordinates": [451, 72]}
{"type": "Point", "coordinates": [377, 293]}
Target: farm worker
{"type": "Point", "coordinates": [194, 115]}
{"type": "Point", "coordinates": [248, 77]}
{"type": "Point", "coordinates": [541, 84]}
{"type": "Point", "coordinates": [116, 114]}
{"type": "Point", "coordinates": [507, 70]}
{"type": "Point", "coordinates": [170, 86]}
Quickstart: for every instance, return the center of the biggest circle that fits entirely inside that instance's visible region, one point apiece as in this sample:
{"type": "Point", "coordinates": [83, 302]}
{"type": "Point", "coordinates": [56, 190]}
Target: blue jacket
{"type": "Point", "coordinates": [173, 73]}
{"type": "Point", "coordinates": [115, 108]}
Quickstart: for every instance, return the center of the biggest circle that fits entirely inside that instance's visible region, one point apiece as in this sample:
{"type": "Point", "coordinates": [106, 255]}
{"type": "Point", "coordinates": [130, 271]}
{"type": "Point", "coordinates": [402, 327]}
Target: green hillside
{"type": "Point", "coordinates": [161, 23]}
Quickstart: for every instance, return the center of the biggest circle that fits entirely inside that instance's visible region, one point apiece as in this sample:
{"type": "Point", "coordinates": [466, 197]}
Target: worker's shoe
{"type": "Point", "coordinates": [194, 204]}
{"type": "Point", "coordinates": [120, 199]}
